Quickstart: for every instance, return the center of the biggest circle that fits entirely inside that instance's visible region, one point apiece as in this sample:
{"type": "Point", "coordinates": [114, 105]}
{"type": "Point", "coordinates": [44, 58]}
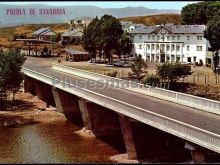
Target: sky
{"type": "Point", "coordinates": [114, 4]}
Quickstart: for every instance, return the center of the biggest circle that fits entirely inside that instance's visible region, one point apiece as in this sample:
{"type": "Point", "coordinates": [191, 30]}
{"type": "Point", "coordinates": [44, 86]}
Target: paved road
{"type": "Point", "coordinates": [197, 118]}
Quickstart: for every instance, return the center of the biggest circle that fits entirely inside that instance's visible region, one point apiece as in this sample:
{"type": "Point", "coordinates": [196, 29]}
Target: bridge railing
{"type": "Point", "coordinates": [196, 135]}
{"type": "Point", "coordinates": [196, 102]}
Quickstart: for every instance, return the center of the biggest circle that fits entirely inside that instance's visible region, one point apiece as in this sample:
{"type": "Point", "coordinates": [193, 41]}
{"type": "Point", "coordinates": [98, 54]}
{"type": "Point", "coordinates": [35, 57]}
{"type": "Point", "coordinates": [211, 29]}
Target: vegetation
{"type": "Point", "coordinates": [151, 79]}
{"type": "Point", "coordinates": [56, 37]}
{"type": "Point", "coordinates": [104, 37]}
{"type": "Point", "coordinates": [171, 72]}
{"type": "Point", "coordinates": [207, 13]}
{"type": "Point", "coordinates": [200, 13]}
{"type": "Point", "coordinates": [18, 36]}
{"type": "Point", "coordinates": [89, 38]}
{"type": "Point", "coordinates": [8, 32]}
{"type": "Point", "coordinates": [138, 68]}
{"type": "Point", "coordinates": [11, 62]}
{"type": "Point", "coordinates": [125, 44]}
{"type": "Point", "coordinates": [112, 74]}
{"type": "Point", "coordinates": [155, 19]}
{"type": "Point", "coordinates": [212, 33]}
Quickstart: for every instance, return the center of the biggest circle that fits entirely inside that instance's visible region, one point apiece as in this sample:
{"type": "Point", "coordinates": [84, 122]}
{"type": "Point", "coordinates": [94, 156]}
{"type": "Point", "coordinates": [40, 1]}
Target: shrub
{"type": "Point", "coordinates": [151, 79]}
{"type": "Point", "coordinates": [171, 73]}
{"type": "Point", "coordinates": [112, 74]}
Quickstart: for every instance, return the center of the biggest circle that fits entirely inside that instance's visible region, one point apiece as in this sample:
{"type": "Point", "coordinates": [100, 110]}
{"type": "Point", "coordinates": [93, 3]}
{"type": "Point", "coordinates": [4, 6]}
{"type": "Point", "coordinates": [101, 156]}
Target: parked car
{"type": "Point", "coordinates": [122, 64]}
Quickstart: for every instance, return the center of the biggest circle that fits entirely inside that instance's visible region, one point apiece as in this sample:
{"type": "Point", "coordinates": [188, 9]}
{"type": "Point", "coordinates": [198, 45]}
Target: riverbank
{"type": "Point", "coordinates": [28, 110]}
{"type": "Point", "coordinates": [31, 113]}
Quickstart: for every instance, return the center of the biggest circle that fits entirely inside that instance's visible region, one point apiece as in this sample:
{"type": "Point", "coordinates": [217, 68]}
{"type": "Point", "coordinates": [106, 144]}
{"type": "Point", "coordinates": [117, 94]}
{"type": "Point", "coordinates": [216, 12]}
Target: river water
{"type": "Point", "coordinates": [52, 143]}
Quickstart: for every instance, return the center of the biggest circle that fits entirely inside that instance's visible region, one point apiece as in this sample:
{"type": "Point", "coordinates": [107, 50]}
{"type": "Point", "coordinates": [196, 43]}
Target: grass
{"type": "Point", "coordinates": [122, 72]}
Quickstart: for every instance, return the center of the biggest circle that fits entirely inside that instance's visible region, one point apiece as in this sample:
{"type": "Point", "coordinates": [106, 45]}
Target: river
{"type": "Point", "coordinates": [51, 143]}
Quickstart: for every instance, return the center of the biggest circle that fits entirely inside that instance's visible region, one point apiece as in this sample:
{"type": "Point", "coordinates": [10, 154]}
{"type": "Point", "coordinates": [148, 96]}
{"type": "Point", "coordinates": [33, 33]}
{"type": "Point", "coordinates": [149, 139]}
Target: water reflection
{"type": "Point", "coordinates": [51, 143]}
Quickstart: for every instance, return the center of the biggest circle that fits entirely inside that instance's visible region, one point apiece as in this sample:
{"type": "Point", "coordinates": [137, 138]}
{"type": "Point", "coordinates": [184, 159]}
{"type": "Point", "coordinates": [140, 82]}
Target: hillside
{"type": "Point", "coordinates": [154, 19]}
{"type": "Point", "coordinates": [6, 34]}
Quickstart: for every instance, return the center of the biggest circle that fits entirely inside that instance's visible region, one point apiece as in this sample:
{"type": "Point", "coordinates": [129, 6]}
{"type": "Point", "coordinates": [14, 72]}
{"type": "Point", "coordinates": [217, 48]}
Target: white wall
{"type": "Point", "coordinates": [193, 42]}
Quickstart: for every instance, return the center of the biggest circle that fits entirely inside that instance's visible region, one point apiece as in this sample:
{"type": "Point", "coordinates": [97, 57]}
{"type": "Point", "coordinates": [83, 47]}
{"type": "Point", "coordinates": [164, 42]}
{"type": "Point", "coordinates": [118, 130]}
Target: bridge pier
{"type": "Point", "coordinates": [145, 142]}
{"type": "Point", "coordinates": [57, 100]}
{"type": "Point", "coordinates": [68, 104]}
{"type": "Point", "coordinates": [198, 154]}
{"type": "Point", "coordinates": [29, 85]}
{"type": "Point", "coordinates": [100, 120]}
{"type": "Point", "coordinates": [44, 92]}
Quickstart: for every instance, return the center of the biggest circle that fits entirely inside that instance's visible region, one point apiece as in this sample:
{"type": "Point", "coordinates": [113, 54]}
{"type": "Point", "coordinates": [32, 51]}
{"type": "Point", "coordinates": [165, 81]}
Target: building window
{"type": "Point", "coordinates": [178, 37]}
{"type": "Point", "coordinates": [168, 37]}
{"type": "Point", "coordinates": [173, 37]}
{"type": "Point", "coordinates": [188, 47]}
{"type": "Point", "coordinates": [152, 47]}
{"type": "Point", "coordinates": [188, 37]}
{"type": "Point", "coordinates": [177, 48]}
{"type": "Point", "coordinates": [140, 46]}
{"type": "Point", "coordinates": [148, 47]}
{"type": "Point", "coordinates": [148, 36]}
{"type": "Point", "coordinates": [199, 37]}
{"type": "Point", "coordinates": [168, 48]}
{"type": "Point", "coordinates": [194, 59]}
{"type": "Point", "coordinates": [199, 48]}
{"type": "Point", "coordinates": [140, 36]}
{"type": "Point", "coordinates": [158, 37]}
{"type": "Point", "coordinates": [172, 57]}
{"type": "Point", "coordinates": [153, 37]}
{"type": "Point", "coordinates": [173, 47]}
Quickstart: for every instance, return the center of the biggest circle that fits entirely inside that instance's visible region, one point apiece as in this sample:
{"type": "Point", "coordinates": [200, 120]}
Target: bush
{"type": "Point", "coordinates": [112, 74]}
{"type": "Point", "coordinates": [171, 73]}
{"type": "Point", "coordinates": [138, 68]}
{"type": "Point", "coordinates": [151, 80]}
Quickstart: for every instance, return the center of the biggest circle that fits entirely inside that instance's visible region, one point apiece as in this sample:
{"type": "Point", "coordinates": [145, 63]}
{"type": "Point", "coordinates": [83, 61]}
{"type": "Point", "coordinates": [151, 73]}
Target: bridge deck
{"type": "Point", "coordinates": [197, 118]}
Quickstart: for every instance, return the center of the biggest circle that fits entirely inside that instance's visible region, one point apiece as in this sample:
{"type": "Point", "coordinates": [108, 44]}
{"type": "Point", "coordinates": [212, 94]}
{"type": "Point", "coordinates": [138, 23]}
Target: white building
{"type": "Point", "coordinates": [170, 43]}
{"type": "Point", "coordinates": [80, 22]}
{"type": "Point", "coordinates": [129, 26]}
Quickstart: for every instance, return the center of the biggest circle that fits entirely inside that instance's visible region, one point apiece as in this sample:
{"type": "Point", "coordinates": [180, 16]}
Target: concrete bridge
{"type": "Point", "coordinates": [152, 127]}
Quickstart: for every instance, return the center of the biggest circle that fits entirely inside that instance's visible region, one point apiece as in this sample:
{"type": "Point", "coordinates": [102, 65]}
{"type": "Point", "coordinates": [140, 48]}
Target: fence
{"type": "Point", "coordinates": [202, 78]}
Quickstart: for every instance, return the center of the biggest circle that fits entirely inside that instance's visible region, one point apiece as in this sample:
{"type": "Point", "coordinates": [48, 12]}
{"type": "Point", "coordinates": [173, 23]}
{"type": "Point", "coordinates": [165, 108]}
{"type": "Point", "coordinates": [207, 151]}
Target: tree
{"type": "Point", "coordinates": [11, 62]}
{"type": "Point", "coordinates": [125, 44]}
{"type": "Point", "coordinates": [199, 13]}
{"type": "Point", "coordinates": [89, 37]}
{"type": "Point", "coordinates": [212, 33]}
{"type": "Point", "coordinates": [170, 73]}
{"type": "Point", "coordinates": [58, 37]}
{"type": "Point", "coordinates": [110, 32]}
{"type": "Point", "coordinates": [53, 38]}
{"type": "Point", "coordinates": [213, 9]}
{"type": "Point", "coordinates": [138, 68]}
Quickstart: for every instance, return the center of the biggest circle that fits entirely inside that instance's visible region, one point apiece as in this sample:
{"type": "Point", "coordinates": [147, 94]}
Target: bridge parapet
{"type": "Point", "coordinates": [198, 103]}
